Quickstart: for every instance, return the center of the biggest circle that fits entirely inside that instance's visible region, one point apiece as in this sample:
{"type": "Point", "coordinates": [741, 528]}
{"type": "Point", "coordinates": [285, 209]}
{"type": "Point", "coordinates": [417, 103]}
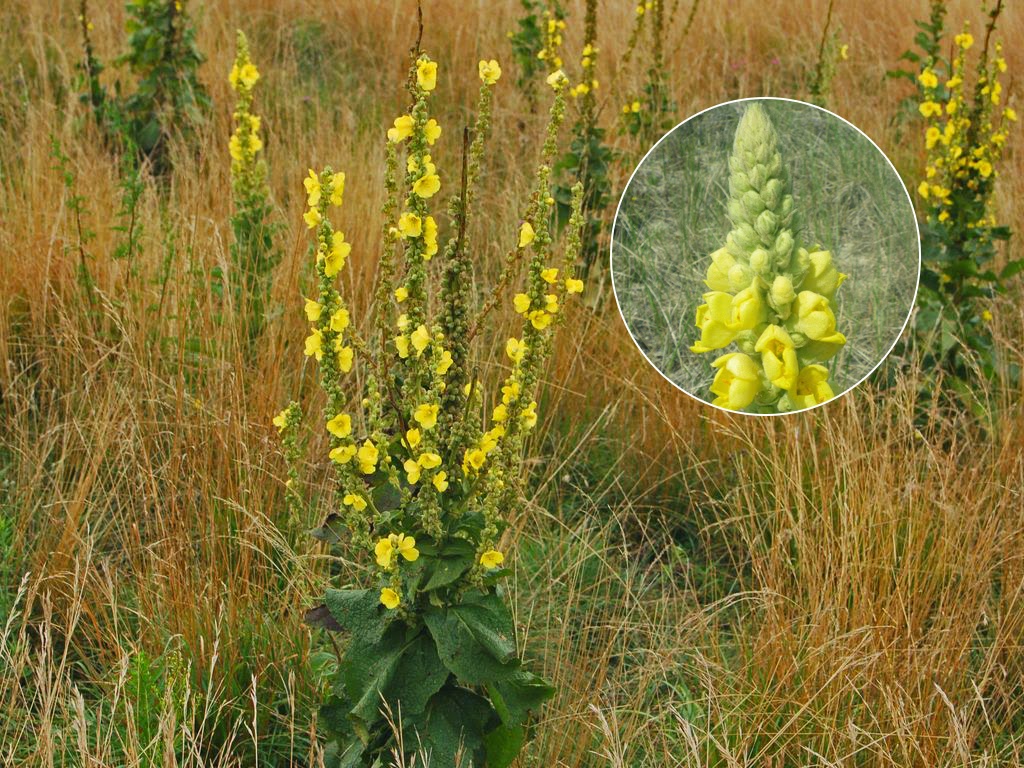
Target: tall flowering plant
{"type": "Point", "coordinates": [769, 296]}
{"type": "Point", "coordinates": [966, 127]}
{"type": "Point", "coordinates": [427, 458]}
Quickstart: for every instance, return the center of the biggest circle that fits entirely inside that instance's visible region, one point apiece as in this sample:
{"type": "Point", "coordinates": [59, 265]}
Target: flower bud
{"type": "Point", "coordinates": [760, 262]}
{"type": "Point", "coordinates": [765, 227]}
{"type": "Point", "coordinates": [740, 275]}
{"type": "Point", "coordinates": [782, 293]}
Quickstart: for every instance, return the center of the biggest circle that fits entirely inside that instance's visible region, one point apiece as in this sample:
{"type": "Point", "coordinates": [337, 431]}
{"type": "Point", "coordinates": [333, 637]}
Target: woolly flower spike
{"type": "Point", "coordinates": [769, 296]}
{"type": "Point", "coordinates": [490, 71]}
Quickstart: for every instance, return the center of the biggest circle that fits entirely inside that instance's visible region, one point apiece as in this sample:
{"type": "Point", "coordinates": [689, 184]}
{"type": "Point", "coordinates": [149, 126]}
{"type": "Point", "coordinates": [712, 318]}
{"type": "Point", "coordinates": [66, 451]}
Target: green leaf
{"type": "Point", "coordinates": [451, 562]}
{"type": "Point", "coordinates": [503, 745]}
{"type": "Point", "coordinates": [358, 611]}
{"type": "Point", "coordinates": [452, 732]}
{"type": "Point", "coordinates": [475, 639]}
{"type": "Point", "coordinates": [523, 692]}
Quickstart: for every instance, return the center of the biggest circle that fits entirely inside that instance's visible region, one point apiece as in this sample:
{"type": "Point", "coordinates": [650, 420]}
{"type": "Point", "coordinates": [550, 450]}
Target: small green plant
{"type": "Point", "coordinates": [428, 468]}
{"type": "Point", "coordinates": [252, 251]}
{"type": "Point", "coordinates": [831, 51]}
{"type": "Point", "coordinates": [588, 158]}
{"type": "Point", "coordinates": [769, 296]}
{"type": "Point", "coordinates": [966, 127]}
{"type": "Point", "coordinates": [535, 44]}
{"type": "Point", "coordinates": [651, 112]}
{"type": "Point", "coordinates": [163, 59]}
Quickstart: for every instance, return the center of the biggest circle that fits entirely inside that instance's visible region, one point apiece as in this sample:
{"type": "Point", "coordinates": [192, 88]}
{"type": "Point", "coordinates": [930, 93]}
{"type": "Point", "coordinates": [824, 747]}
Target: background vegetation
{"type": "Point", "coordinates": [839, 588]}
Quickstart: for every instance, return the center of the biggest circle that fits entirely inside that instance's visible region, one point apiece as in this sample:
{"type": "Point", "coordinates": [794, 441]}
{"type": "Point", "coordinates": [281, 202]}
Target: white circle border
{"type": "Point", "coordinates": [615, 221]}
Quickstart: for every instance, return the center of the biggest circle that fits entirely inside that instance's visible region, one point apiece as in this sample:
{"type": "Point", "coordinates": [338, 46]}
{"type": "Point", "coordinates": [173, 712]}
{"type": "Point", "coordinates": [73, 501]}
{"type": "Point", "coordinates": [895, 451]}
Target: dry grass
{"type": "Point", "coordinates": [830, 589]}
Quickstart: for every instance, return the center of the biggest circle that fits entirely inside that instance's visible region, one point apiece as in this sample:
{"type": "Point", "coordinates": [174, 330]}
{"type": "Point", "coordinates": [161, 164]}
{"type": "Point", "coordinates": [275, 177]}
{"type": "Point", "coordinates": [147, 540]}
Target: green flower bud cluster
{"type": "Point", "coordinates": [769, 296]}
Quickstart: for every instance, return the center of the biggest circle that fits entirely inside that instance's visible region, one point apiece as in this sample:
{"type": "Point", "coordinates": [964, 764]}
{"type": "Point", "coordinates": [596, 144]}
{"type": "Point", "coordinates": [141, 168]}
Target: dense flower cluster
{"type": "Point", "coordinates": [964, 140]}
{"type": "Point", "coordinates": [769, 296]}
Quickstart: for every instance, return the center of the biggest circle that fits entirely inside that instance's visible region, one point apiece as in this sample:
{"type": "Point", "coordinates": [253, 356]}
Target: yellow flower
{"type": "Point", "coordinates": [412, 471]}
{"type": "Point", "coordinates": [748, 309]}
{"type": "Point", "coordinates": [315, 344]}
{"type": "Point", "coordinates": [550, 275]}
{"type": "Point", "coordinates": [281, 420]}
{"type": "Point", "coordinates": [714, 318]}
{"type": "Point", "coordinates": [336, 256]}
{"type": "Point", "coordinates": [1010, 114]}
{"type": "Point", "coordinates": [984, 168]}
{"type": "Point", "coordinates": [235, 148]}
{"type": "Point", "coordinates": [402, 345]}
{"type": "Point", "coordinates": [312, 185]}
{"type": "Point", "coordinates": [811, 387]}
{"type": "Point", "coordinates": [401, 294]}
{"type": "Point", "coordinates": [429, 237]}
{"type": "Point", "coordinates": [557, 79]}
{"type": "Point", "coordinates": [340, 425]}
{"type": "Point", "coordinates": [384, 552]}
{"type": "Point", "coordinates": [510, 392]}
{"type": "Point", "coordinates": [930, 109]}
{"type": "Point", "coordinates": [573, 285]}
{"type": "Point", "coordinates": [551, 303]}
{"type": "Point", "coordinates": [986, 316]}
{"type": "Point", "coordinates": [413, 437]}
{"type": "Point", "coordinates": [429, 460]}
{"type": "Point", "coordinates": [405, 546]}
{"type": "Point", "coordinates": [343, 454]}
{"type": "Point", "coordinates": [515, 349]}
{"type": "Point", "coordinates": [339, 320]}
{"type": "Point", "coordinates": [367, 456]}
{"type": "Point", "coordinates": [492, 558]}
{"type": "Point", "coordinates": [357, 502]}
{"type": "Point", "coordinates": [923, 189]}
{"type": "Point", "coordinates": [345, 357]}
{"type": "Point", "coordinates": [778, 356]}
{"type": "Point", "coordinates": [426, 74]}
{"type": "Point", "coordinates": [426, 415]}
{"type": "Point", "coordinates": [474, 459]}
{"type": "Point", "coordinates": [312, 218]}
{"type": "Point", "coordinates": [440, 481]}
{"type": "Point", "coordinates": [432, 131]}
{"type": "Point", "coordinates": [521, 302]}
{"type": "Point", "coordinates": [490, 71]}
{"type": "Point", "coordinates": [337, 188]}
{"type": "Point", "coordinates": [444, 363]}
{"type": "Point", "coordinates": [526, 234]}
{"type": "Point", "coordinates": [540, 319]}
{"type": "Point", "coordinates": [844, 52]}
{"type": "Point", "coordinates": [737, 382]}
{"type": "Point", "coordinates": [427, 186]}
{"type": "Point", "coordinates": [928, 79]}
{"type": "Point", "coordinates": [814, 317]}
{"type": "Point", "coordinates": [402, 130]}
{"type": "Point", "coordinates": [529, 415]}
{"type": "Point", "coordinates": [410, 225]}
{"type": "Point", "coordinates": [964, 40]}
{"type": "Point", "coordinates": [822, 277]}
{"type": "Point", "coordinates": [420, 338]}
{"type": "Point", "coordinates": [500, 413]}
{"type": "Point", "coordinates": [389, 598]}
{"type": "Point", "coordinates": [313, 310]}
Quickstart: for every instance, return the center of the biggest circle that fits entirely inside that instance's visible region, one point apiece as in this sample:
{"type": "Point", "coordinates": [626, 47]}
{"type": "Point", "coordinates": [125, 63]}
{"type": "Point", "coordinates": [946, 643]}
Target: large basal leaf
{"type": "Point", "coordinates": [451, 562]}
{"type": "Point", "coordinates": [452, 730]}
{"type": "Point", "coordinates": [475, 639]}
{"type": "Point", "coordinates": [357, 611]}
{"type": "Point", "coordinates": [402, 670]}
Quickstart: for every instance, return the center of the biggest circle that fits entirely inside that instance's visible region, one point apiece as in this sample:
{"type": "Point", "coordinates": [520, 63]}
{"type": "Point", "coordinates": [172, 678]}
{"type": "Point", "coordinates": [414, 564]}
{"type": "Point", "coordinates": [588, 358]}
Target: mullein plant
{"type": "Point", "coordinates": [769, 296]}
{"type": "Point", "coordinates": [253, 248]}
{"type": "Point", "coordinates": [965, 132]}
{"type": "Point", "coordinates": [427, 459]}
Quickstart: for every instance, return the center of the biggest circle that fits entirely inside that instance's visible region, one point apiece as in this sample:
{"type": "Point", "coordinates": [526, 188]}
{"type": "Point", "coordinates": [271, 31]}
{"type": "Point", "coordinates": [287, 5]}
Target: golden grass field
{"type": "Point", "coordinates": [839, 588]}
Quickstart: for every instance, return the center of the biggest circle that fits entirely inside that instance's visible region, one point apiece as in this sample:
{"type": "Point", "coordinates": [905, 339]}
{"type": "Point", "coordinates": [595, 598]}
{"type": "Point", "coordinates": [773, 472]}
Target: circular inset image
{"type": "Point", "coordinates": [765, 256]}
